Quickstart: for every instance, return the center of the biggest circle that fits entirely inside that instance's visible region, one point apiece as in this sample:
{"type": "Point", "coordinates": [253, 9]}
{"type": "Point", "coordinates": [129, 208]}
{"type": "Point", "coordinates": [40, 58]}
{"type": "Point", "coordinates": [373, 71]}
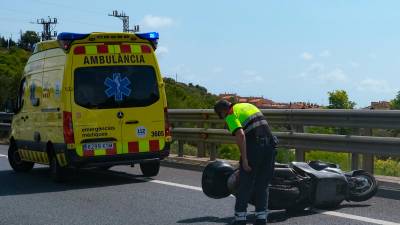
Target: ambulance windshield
{"type": "Point", "coordinates": [115, 86]}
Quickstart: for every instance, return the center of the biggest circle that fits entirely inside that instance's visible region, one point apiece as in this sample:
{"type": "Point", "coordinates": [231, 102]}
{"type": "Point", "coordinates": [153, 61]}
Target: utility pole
{"type": "Point", "coordinates": [125, 21]}
{"type": "Point", "coordinates": [8, 43]}
{"type": "Point", "coordinates": [48, 28]}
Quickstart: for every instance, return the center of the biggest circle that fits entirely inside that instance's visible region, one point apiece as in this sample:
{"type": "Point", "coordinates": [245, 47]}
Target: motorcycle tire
{"type": "Point", "coordinates": [214, 179]}
{"type": "Point", "coordinates": [363, 194]}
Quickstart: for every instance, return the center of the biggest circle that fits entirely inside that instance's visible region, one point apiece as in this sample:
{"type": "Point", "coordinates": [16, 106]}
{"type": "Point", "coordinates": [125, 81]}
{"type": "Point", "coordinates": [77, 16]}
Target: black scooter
{"type": "Point", "coordinates": [297, 185]}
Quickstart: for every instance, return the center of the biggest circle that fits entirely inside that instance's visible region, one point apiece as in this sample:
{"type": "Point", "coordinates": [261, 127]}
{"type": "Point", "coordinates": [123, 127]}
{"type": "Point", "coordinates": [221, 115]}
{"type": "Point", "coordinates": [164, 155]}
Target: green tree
{"type": "Point", "coordinates": [28, 39]}
{"type": "Point", "coordinates": [12, 64]}
{"type": "Point", "coordinates": [340, 100]}
{"type": "Point", "coordinates": [395, 103]}
{"type": "Point", "coordinates": [3, 42]}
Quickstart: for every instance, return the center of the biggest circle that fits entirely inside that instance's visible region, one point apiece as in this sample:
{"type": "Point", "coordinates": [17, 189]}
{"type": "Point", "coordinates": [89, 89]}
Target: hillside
{"type": "Point", "coordinates": [180, 95]}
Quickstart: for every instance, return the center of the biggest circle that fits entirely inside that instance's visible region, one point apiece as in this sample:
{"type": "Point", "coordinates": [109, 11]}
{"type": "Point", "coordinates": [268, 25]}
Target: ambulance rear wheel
{"type": "Point", "coordinates": [151, 168]}
{"type": "Point", "coordinates": [57, 173]}
{"type": "Point", "coordinates": [15, 160]}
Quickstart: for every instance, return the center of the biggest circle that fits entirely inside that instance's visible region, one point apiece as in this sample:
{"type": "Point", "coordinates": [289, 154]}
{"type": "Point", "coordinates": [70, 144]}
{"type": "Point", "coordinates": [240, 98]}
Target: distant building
{"type": "Point", "coordinates": [264, 103]}
{"type": "Point", "coordinates": [380, 105]}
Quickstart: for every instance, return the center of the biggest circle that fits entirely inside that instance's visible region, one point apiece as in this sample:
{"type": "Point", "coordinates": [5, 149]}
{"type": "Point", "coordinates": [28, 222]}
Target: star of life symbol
{"type": "Point", "coordinates": [117, 87]}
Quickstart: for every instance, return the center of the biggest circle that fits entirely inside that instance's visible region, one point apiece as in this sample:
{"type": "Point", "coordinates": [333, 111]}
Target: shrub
{"type": "Point", "coordinates": [285, 155]}
{"type": "Point", "coordinates": [229, 151]}
{"type": "Point", "coordinates": [333, 157]}
{"type": "Point", "coordinates": [387, 167]}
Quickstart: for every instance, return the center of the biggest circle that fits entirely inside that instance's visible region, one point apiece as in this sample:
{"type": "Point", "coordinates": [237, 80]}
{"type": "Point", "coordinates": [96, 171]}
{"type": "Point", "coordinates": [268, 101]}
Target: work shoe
{"type": "Point", "coordinates": [260, 222]}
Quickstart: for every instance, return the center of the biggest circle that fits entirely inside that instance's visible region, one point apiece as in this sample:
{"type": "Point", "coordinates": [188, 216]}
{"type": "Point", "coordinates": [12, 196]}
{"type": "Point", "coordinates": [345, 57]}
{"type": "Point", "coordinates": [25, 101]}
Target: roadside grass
{"type": "Point", "coordinates": [385, 167]}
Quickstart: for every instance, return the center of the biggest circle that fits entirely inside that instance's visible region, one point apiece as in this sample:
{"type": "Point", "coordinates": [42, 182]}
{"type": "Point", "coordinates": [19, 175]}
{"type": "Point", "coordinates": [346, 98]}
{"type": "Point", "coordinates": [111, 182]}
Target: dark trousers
{"type": "Point", "coordinates": [261, 157]}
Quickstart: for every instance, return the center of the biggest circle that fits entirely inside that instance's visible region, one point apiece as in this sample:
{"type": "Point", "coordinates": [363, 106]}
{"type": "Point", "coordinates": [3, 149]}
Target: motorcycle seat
{"type": "Point", "coordinates": [318, 165]}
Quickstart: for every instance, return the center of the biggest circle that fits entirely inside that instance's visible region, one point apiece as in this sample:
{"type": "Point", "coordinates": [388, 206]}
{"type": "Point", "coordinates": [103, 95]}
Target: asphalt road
{"type": "Point", "coordinates": [122, 196]}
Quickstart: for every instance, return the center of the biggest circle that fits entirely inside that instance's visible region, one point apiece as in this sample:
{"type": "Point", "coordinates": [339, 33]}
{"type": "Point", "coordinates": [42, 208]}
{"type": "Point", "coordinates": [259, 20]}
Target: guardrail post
{"type": "Point", "coordinates": [180, 142]}
{"type": "Point", "coordinates": [300, 153]}
{"type": "Point", "coordinates": [368, 163]}
{"type": "Point", "coordinates": [355, 157]}
{"type": "Point", "coordinates": [367, 159]}
{"type": "Point", "coordinates": [180, 148]}
{"type": "Point", "coordinates": [354, 161]}
{"type": "Point", "coordinates": [213, 147]}
{"type": "Point", "coordinates": [201, 147]}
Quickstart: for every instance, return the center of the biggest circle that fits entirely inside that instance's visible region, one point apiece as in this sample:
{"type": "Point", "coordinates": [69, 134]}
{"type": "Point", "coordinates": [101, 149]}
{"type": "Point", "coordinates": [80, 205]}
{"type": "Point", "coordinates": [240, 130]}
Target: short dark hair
{"type": "Point", "coordinates": [220, 106]}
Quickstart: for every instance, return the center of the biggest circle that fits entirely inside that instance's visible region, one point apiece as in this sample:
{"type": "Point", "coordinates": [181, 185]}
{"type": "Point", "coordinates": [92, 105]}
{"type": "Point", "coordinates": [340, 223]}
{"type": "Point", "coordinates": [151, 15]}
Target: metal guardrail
{"type": "Point", "coordinates": [385, 119]}
{"type": "Point", "coordinates": [5, 120]}
{"type": "Point", "coordinates": [295, 119]}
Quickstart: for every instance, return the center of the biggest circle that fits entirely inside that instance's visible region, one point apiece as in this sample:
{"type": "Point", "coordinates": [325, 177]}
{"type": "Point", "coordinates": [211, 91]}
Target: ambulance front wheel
{"type": "Point", "coordinates": [15, 160]}
{"type": "Point", "coordinates": [150, 168]}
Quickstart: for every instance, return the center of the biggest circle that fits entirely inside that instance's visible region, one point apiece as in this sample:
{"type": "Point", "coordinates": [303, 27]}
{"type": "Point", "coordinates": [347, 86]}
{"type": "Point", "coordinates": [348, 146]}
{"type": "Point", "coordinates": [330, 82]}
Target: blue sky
{"type": "Point", "coordinates": [282, 50]}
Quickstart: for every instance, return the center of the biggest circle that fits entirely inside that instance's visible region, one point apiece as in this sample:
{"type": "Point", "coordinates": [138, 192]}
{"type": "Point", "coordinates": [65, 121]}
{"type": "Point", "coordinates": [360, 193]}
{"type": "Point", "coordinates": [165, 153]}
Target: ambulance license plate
{"type": "Point", "coordinates": [97, 145]}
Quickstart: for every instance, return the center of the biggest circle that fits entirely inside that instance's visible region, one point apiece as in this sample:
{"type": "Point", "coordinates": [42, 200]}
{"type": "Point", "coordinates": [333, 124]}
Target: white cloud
{"type": "Point", "coordinates": [325, 53]}
{"type": "Point", "coordinates": [161, 50]}
{"type": "Point", "coordinates": [312, 70]}
{"type": "Point", "coordinates": [150, 21]}
{"type": "Point", "coordinates": [184, 74]}
{"type": "Point", "coordinates": [319, 72]}
{"type": "Point", "coordinates": [374, 85]}
{"type": "Point", "coordinates": [306, 56]}
{"type": "Point", "coordinates": [256, 78]}
{"type": "Point", "coordinates": [336, 75]}
{"type": "Point", "coordinates": [251, 77]}
{"type": "Point", "coordinates": [354, 64]}
{"type": "Point", "coordinates": [249, 73]}
{"type": "Point", "coordinates": [217, 69]}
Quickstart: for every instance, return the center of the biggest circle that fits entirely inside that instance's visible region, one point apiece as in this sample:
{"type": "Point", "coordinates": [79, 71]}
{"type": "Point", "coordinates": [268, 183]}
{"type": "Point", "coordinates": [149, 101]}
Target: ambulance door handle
{"type": "Point", "coordinates": [131, 122]}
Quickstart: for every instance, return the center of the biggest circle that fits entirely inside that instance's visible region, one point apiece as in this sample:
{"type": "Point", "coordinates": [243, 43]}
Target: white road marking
{"type": "Point", "coordinates": [359, 218]}
{"type": "Point", "coordinates": [1, 155]}
{"type": "Point", "coordinates": [330, 213]}
{"type": "Point", "coordinates": [176, 185]}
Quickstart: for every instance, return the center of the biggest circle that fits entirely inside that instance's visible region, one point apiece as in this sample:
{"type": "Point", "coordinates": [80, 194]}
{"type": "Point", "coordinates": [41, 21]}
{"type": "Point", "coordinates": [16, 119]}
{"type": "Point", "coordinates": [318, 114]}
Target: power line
{"type": "Point", "coordinates": [125, 21]}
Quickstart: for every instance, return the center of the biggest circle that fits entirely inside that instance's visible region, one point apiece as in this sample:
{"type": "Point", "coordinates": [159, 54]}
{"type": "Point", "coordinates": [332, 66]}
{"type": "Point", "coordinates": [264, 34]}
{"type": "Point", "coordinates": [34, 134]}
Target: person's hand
{"type": "Point", "coordinates": [245, 165]}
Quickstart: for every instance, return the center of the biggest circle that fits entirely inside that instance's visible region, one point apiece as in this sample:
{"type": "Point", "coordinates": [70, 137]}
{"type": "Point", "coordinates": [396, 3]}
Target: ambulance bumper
{"type": "Point", "coordinates": [111, 160]}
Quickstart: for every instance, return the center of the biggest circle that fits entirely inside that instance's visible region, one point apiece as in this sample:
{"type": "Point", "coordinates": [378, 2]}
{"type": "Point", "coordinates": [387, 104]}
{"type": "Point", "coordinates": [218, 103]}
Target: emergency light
{"type": "Point", "coordinates": [66, 36]}
{"type": "Point", "coordinates": [152, 37]}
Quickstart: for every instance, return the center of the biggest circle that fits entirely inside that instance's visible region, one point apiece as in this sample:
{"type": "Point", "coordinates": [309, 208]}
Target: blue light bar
{"type": "Point", "coordinates": [152, 36]}
{"type": "Point", "coordinates": [66, 36]}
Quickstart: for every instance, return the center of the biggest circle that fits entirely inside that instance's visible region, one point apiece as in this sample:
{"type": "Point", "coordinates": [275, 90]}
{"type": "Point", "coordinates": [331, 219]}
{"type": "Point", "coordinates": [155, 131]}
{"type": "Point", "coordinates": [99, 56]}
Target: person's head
{"type": "Point", "coordinates": [221, 108]}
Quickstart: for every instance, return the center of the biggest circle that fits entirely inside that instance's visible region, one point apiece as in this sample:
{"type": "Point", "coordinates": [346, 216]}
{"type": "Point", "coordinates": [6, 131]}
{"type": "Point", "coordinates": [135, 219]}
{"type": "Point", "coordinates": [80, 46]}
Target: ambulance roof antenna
{"type": "Point", "coordinates": [48, 28]}
{"type": "Point", "coordinates": [125, 21]}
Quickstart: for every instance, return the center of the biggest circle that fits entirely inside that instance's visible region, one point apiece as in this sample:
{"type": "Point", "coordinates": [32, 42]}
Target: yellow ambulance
{"type": "Point", "coordinates": [91, 100]}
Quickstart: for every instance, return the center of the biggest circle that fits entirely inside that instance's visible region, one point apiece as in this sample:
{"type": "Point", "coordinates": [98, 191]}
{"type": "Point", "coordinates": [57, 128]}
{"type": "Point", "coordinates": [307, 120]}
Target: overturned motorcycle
{"type": "Point", "coordinates": [297, 185]}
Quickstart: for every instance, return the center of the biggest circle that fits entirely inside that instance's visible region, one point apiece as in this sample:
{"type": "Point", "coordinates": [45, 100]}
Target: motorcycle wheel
{"type": "Point", "coordinates": [362, 187]}
{"type": "Point", "coordinates": [215, 178]}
